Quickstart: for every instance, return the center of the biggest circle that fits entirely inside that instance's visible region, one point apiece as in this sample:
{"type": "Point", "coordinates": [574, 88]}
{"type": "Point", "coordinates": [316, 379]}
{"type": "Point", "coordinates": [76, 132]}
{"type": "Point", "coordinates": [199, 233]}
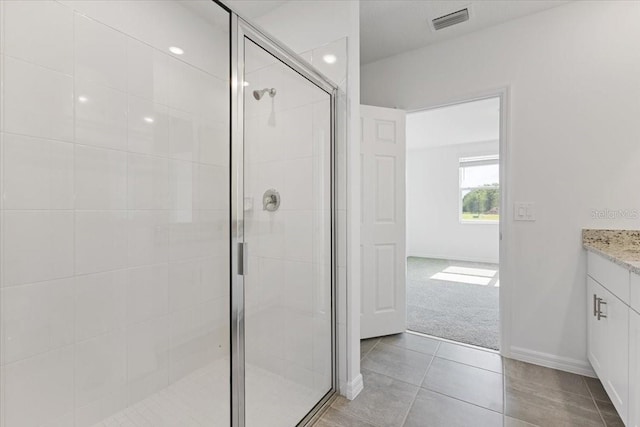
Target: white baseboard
{"type": "Point", "coordinates": [352, 389]}
{"type": "Point", "coordinates": [567, 364]}
{"type": "Point", "coordinates": [455, 258]}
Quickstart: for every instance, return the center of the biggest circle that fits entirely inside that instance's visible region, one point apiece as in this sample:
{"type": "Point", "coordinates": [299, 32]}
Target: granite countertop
{"type": "Point", "coordinates": [619, 246]}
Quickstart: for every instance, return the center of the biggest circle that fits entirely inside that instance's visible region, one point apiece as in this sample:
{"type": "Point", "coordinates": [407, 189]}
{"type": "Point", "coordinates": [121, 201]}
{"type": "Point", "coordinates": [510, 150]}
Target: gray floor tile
{"type": "Point", "coordinates": [334, 418]}
{"type": "Point", "coordinates": [412, 342]}
{"type": "Point", "coordinates": [597, 390]}
{"type": "Point", "coordinates": [536, 404]}
{"type": "Point", "coordinates": [367, 345]}
{"type": "Point", "coordinates": [397, 362]}
{"type": "Point", "coordinates": [470, 356]}
{"type": "Point", "coordinates": [546, 377]}
{"type": "Point", "coordinates": [609, 414]}
{"type": "Point", "coordinates": [383, 402]}
{"type": "Point", "coordinates": [474, 385]}
{"type": "Point", "coordinates": [514, 422]}
{"type": "Point", "coordinates": [436, 410]}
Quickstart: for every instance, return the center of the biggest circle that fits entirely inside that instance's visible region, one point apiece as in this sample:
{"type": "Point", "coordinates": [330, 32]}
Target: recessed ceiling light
{"type": "Point", "coordinates": [83, 99]}
{"type": "Point", "coordinates": [176, 50]}
{"type": "Point", "coordinates": [148, 119]}
{"type": "Point", "coordinates": [329, 58]}
{"type": "Point", "coordinates": [245, 84]}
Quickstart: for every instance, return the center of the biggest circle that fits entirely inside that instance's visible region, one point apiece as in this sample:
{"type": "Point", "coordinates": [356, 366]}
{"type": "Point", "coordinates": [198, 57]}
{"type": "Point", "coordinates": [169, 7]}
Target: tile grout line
{"type": "Point", "coordinates": [433, 391]}
{"type": "Point", "coordinates": [362, 356]}
{"type": "Point", "coordinates": [404, 419]}
{"type": "Point", "coordinates": [593, 399]}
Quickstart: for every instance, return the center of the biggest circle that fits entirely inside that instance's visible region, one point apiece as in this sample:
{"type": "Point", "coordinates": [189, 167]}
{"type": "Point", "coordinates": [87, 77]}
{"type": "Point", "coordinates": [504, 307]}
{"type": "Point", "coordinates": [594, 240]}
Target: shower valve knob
{"type": "Point", "coordinates": [271, 200]}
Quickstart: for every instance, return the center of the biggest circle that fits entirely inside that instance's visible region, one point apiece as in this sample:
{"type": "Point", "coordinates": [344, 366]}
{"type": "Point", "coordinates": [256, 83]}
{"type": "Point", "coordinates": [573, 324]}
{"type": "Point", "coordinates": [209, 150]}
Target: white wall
{"type": "Point", "coordinates": [305, 26]}
{"type": "Point", "coordinates": [115, 251]}
{"type": "Point", "coordinates": [434, 229]}
{"type": "Point", "coordinates": [573, 110]}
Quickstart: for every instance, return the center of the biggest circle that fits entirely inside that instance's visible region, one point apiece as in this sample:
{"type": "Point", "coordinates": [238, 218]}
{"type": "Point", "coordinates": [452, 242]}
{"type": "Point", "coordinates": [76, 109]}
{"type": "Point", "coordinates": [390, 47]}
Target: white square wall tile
{"type": "Point", "coordinates": [186, 343]}
{"type": "Point", "coordinates": [40, 32]}
{"type": "Point", "coordinates": [215, 278]}
{"type": "Point", "coordinates": [100, 303]}
{"type": "Point", "coordinates": [101, 116]}
{"type": "Point", "coordinates": [36, 318]}
{"type": "Point", "coordinates": [298, 130]}
{"type": "Point", "coordinates": [300, 191]}
{"type": "Point", "coordinates": [147, 127]}
{"type": "Point", "coordinates": [147, 292]}
{"type": "Point", "coordinates": [298, 287]}
{"type": "Point", "coordinates": [183, 235]}
{"type": "Point", "coordinates": [37, 246]}
{"type": "Point", "coordinates": [101, 53]}
{"type": "Point", "coordinates": [183, 135]}
{"type": "Point", "coordinates": [182, 182]}
{"type": "Point", "coordinates": [213, 233]}
{"type": "Point", "coordinates": [299, 236]}
{"type": "Point", "coordinates": [211, 187]}
{"type": "Point", "coordinates": [148, 237]}
{"type": "Point", "coordinates": [147, 358]}
{"type": "Point", "coordinates": [39, 389]}
{"type": "Point", "coordinates": [100, 368]}
{"type": "Point", "coordinates": [38, 174]}
{"type": "Point", "coordinates": [147, 72]}
{"type": "Point", "coordinates": [185, 286]}
{"type": "Point", "coordinates": [100, 178]}
{"type": "Point", "coordinates": [101, 241]}
{"type": "Point", "coordinates": [147, 182]}
{"type": "Point", "coordinates": [37, 101]}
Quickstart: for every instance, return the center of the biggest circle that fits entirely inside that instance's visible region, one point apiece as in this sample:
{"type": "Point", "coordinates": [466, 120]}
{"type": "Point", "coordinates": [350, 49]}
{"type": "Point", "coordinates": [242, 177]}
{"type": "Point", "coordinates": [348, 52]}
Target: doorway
{"type": "Point", "coordinates": [453, 199]}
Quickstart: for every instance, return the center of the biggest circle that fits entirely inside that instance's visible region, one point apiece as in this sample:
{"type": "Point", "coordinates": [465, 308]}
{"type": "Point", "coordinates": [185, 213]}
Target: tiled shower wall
{"type": "Point", "coordinates": [114, 209]}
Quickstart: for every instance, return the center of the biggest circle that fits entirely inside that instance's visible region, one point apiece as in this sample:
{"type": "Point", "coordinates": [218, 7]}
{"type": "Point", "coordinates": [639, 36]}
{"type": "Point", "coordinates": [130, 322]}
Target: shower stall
{"type": "Point", "coordinates": [168, 219]}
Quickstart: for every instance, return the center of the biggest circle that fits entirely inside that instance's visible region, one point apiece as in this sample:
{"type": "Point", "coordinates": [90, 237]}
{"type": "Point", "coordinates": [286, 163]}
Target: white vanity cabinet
{"type": "Point", "coordinates": [634, 369]}
{"type": "Point", "coordinates": [634, 353]}
{"type": "Point", "coordinates": [608, 328]}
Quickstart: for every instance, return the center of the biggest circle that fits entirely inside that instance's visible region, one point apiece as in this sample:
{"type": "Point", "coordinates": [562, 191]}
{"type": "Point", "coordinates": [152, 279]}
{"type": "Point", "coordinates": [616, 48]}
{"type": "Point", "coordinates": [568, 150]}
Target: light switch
{"type": "Point", "coordinates": [524, 211]}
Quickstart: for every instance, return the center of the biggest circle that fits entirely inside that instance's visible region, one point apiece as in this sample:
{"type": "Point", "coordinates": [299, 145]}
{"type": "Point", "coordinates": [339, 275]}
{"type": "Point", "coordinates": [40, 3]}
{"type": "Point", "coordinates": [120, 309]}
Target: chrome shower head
{"type": "Point", "coordinates": [258, 94]}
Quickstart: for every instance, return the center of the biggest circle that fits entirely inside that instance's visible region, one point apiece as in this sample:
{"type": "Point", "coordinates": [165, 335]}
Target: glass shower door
{"type": "Point", "coordinates": [287, 230]}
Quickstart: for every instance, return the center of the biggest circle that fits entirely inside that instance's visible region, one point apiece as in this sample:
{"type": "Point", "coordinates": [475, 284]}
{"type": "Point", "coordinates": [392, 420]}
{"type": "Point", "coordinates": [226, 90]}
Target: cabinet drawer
{"type": "Point", "coordinates": [610, 275]}
{"type": "Point", "coordinates": [635, 292]}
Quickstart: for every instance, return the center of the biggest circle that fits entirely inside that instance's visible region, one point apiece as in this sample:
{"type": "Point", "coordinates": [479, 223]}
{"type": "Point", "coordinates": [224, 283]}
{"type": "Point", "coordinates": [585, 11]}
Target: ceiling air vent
{"type": "Point", "coordinates": [451, 19]}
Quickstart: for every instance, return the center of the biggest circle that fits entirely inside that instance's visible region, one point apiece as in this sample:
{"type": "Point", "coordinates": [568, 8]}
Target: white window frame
{"type": "Point", "coordinates": [493, 159]}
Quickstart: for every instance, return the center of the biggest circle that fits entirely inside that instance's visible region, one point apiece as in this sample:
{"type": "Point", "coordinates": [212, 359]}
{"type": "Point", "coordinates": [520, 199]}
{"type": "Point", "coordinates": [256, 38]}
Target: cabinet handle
{"type": "Point", "coordinates": [600, 315]}
{"type": "Point", "coordinates": [595, 303]}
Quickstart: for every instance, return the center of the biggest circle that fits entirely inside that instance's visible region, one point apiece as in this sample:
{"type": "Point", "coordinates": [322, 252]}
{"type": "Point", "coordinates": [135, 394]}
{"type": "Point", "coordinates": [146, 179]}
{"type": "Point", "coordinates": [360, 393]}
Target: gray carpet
{"type": "Point", "coordinates": [457, 311]}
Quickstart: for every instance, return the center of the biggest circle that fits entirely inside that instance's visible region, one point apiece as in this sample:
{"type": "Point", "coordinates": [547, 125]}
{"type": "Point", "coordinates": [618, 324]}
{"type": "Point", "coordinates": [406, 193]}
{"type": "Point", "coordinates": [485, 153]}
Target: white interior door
{"type": "Point", "coordinates": [384, 306]}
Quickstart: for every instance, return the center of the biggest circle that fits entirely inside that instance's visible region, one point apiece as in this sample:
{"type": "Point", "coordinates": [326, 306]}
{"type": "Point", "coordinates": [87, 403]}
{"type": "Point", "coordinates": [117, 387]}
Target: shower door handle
{"type": "Point", "coordinates": [242, 255]}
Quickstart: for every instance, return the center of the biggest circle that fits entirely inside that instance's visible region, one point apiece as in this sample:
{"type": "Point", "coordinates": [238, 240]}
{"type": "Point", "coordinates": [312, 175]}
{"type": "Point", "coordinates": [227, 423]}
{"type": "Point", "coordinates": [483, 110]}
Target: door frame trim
{"type": "Point", "coordinates": [504, 94]}
{"type": "Point", "coordinates": [241, 29]}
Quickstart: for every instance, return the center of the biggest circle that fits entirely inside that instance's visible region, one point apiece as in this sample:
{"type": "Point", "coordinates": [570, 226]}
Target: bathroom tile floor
{"type": "Point", "coordinates": [416, 381]}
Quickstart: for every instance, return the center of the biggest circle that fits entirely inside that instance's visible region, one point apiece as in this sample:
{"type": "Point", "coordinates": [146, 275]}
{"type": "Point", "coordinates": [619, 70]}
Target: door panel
{"type": "Point", "coordinates": [287, 218]}
{"type": "Point", "coordinates": [383, 222]}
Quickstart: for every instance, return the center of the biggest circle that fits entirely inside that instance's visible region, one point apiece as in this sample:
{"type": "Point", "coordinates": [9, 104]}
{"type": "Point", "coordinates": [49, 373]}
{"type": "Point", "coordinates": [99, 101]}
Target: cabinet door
{"type": "Point", "coordinates": [616, 322]}
{"type": "Point", "coordinates": [596, 339]}
{"type": "Point", "coordinates": [634, 369]}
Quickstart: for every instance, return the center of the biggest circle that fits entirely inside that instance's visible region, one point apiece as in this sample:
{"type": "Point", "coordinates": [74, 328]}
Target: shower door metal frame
{"type": "Point", "coordinates": [241, 30]}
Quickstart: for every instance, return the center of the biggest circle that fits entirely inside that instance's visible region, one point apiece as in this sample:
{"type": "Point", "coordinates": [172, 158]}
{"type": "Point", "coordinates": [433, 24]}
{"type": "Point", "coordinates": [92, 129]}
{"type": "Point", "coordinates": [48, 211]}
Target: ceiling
{"type": "Point", "coordinates": [456, 124]}
{"type": "Point", "coordinates": [254, 8]}
{"type": "Point", "coordinates": [391, 27]}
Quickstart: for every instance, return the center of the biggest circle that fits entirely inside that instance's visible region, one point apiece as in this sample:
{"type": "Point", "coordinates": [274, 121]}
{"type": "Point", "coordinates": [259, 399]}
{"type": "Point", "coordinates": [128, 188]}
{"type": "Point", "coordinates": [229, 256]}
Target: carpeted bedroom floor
{"type": "Point", "coordinates": [456, 300]}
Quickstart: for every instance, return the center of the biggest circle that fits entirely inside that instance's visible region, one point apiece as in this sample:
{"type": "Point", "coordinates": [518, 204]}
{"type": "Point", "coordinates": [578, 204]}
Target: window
{"type": "Point", "coordinates": [479, 189]}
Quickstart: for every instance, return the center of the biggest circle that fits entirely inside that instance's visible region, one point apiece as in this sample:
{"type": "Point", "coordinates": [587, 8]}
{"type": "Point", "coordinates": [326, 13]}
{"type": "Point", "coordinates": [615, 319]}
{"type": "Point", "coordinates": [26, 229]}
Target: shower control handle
{"type": "Point", "coordinates": [271, 200]}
